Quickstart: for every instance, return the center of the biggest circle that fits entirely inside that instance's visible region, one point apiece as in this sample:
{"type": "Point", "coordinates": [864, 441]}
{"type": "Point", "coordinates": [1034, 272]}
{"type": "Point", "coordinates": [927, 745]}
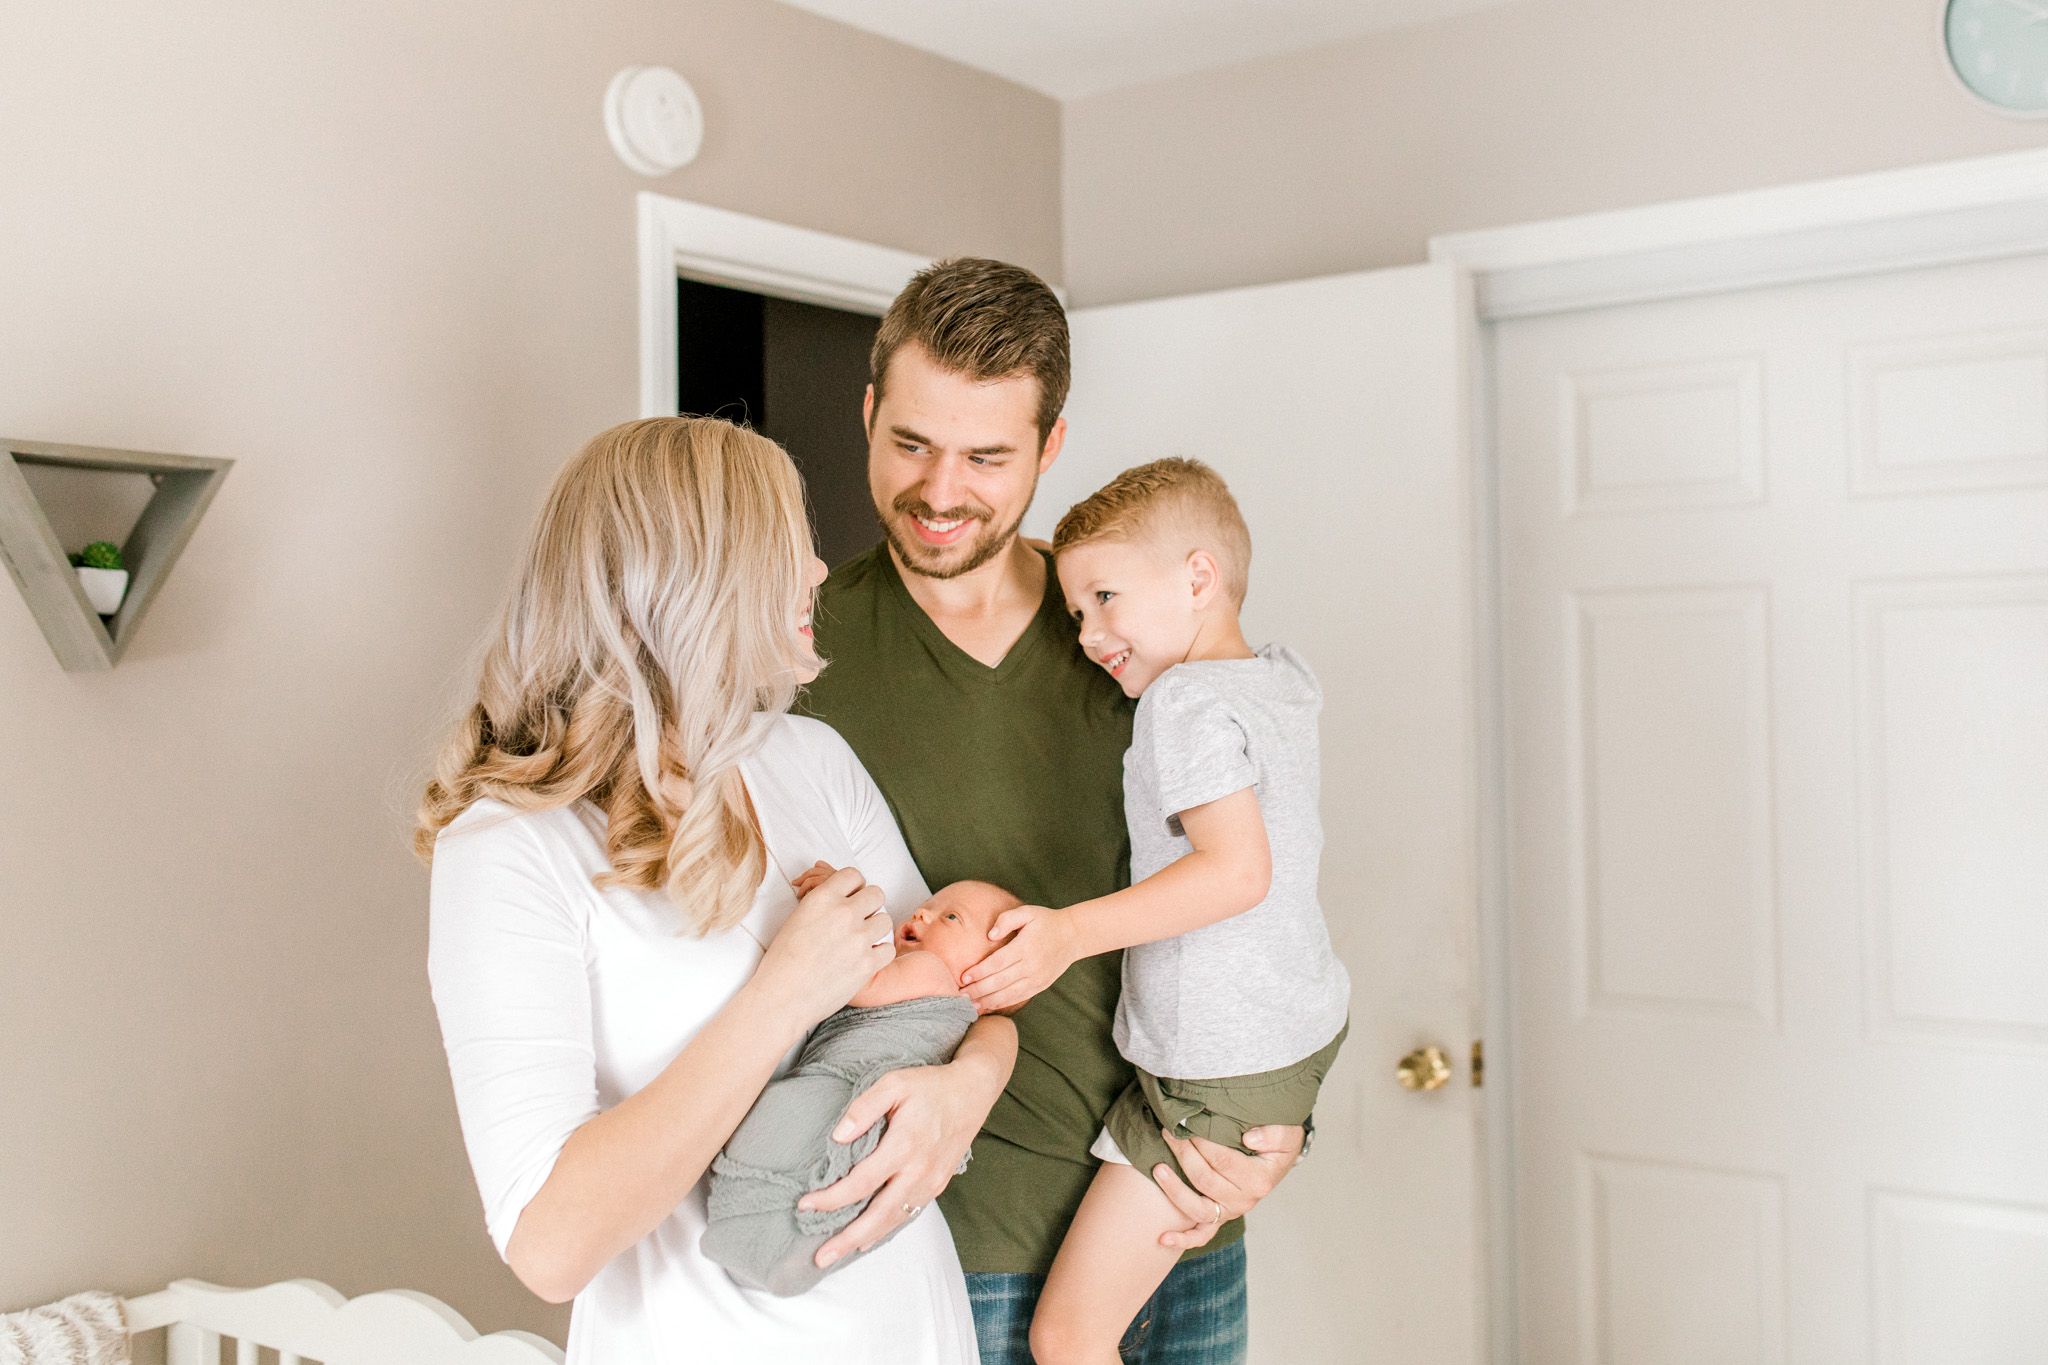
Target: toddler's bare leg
{"type": "Point", "coordinates": [1107, 1267]}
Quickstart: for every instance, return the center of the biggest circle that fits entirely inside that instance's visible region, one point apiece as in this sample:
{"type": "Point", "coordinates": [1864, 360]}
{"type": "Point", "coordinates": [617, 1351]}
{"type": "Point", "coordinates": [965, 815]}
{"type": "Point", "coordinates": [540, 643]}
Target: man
{"type": "Point", "coordinates": [955, 675]}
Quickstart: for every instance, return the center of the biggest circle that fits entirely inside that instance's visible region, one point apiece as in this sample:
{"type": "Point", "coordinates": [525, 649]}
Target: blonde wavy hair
{"type": "Point", "coordinates": [654, 616]}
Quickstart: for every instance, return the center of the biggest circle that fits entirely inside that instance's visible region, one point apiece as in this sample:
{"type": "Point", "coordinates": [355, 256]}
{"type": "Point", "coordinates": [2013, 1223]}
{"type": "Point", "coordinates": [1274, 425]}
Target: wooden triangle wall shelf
{"type": "Point", "coordinates": [84, 642]}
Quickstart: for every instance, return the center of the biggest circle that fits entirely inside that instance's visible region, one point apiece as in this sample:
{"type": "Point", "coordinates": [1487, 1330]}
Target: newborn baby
{"type": "Point", "coordinates": [911, 1013]}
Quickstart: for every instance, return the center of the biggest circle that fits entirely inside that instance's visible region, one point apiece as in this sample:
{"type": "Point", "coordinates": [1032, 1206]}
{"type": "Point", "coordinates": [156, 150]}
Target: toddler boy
{"type": "Point", "coordinates": [1233, 1003]}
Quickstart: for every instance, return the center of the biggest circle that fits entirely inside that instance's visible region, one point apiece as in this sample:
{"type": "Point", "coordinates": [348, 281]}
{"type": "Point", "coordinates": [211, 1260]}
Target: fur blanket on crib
{"type": "Point", "coordinates": [85, 1329]}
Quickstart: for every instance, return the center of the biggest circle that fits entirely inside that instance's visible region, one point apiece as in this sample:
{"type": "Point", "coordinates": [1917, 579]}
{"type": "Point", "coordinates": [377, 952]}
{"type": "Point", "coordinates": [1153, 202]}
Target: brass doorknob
{"type": "Point", "coordinates": [1426, 1068]}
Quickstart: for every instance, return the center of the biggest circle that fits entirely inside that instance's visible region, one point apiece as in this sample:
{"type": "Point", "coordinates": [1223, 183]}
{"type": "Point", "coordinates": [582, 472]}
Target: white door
{"type": "Point", "coordinates": [1775, 614]}
{"type": "Point", "coordinates": [1334, 408]}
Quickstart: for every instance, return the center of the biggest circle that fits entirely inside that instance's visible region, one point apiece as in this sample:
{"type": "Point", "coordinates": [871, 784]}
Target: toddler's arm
{"type": "Point", "coordinates": [1227, 872]}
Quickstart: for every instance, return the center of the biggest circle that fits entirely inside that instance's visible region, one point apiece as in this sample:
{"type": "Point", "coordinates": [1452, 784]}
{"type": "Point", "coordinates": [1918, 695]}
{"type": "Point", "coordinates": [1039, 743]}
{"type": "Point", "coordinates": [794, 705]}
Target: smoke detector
{"type": "Point", "coordinates": [653, 119]}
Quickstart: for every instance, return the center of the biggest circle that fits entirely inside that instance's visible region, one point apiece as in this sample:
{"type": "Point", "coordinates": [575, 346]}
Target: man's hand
{"type": "Point", "coordinates": [1227, 1183]}
{"type": "Point", "coordinates": [1043, 946]}
{"type": "Point", "coordinates": [934, 1113]}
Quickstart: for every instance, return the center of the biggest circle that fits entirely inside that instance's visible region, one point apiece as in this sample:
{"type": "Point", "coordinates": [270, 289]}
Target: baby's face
{"type": "Point", "coordinates": [953, 925]}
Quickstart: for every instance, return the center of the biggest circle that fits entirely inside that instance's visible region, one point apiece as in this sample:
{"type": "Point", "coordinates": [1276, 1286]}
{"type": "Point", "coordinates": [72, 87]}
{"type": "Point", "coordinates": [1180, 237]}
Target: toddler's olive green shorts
{"type": "Point", "coordinates": [1220, 1109]}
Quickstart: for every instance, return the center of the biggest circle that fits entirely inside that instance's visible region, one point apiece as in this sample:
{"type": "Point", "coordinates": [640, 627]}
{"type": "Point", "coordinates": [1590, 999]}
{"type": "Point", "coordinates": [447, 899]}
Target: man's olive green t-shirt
{"type": "Point", "coordinates": [1011, 775]}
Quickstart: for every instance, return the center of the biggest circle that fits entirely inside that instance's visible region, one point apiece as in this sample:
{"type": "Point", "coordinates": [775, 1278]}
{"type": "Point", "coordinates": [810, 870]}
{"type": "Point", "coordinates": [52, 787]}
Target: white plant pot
{"type": "Point", "coordinates": [104, 588]}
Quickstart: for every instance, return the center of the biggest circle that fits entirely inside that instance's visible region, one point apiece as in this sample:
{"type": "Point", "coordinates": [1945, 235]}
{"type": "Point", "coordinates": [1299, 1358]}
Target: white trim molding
{"type": "Point", "coordinates": [1944, 214]}
{"type": "Point", "coordinates": [722, 247]}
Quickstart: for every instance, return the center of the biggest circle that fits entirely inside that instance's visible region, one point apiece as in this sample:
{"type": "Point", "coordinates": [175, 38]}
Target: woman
{"type": "Point", "coordinates": [618, 959]}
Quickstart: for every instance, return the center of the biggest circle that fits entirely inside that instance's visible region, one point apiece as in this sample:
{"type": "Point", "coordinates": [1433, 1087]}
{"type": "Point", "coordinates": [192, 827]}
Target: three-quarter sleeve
{"type": "Point", "coordinates": [506, 958]}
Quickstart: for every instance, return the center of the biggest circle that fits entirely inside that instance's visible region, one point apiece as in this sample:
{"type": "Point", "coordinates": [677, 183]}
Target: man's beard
{"type": "Point", "coordinates": [916, 557]}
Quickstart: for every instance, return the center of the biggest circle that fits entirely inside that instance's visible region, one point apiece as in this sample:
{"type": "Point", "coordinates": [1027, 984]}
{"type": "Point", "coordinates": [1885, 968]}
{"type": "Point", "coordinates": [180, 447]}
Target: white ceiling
{"type": "Point", "coordinates": [1067, 48]}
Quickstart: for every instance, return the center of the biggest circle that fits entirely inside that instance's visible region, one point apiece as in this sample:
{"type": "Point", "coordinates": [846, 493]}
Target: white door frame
{"type": "Point", "coordinates": [719, 246]}
{"type": "Point", "coordinates": [1945, 214]}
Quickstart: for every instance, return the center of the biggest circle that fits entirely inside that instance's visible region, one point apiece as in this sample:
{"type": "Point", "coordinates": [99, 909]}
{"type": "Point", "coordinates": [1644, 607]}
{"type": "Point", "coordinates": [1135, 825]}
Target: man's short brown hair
{"type": "Point", "coordinates": [1182, 504]}
{"type": "Point", "coordinates": [985, 319]}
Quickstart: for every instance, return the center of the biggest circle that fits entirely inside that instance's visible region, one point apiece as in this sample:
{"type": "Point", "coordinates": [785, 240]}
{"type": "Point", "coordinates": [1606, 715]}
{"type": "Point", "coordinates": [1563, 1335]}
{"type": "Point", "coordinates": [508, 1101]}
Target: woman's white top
{"type": "Point", "coordinates": [558, 1000]}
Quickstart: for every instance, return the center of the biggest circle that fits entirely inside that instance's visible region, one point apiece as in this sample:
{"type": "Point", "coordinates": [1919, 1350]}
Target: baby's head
{"type": "Point", "coordinates": [1148, 561]}
{"type": "Point", "coordinates": [953, 925]}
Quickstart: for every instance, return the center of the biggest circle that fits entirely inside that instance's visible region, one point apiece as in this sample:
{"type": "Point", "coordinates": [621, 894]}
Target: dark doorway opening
{"type": "Point", "coordinates": [795, 372]}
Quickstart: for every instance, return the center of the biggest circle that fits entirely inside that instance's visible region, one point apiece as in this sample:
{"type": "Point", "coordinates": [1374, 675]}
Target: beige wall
{"type": "Point", "coordinates": [1352, 156]}
{"type": "Point", "coordinates": [381, 255]}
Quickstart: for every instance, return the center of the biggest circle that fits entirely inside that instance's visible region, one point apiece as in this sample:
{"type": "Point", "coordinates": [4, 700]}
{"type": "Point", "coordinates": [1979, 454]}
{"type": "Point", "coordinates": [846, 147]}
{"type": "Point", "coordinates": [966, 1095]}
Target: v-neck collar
{"type": "Point", "coordinates": [1021, 650]}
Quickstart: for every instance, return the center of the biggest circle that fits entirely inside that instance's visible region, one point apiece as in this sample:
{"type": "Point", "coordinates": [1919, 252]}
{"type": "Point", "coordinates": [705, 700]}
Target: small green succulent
{"type": "Point", "coordinates": [101, 554]}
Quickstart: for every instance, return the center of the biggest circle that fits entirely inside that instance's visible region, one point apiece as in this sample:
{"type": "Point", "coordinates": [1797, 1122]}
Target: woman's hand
{"type": "Point", "coordinates": [838, 937]}
{"type": "Point", "coordinates": [1044, 945]}
{"type": "Point", "coordinates": [1227, 1183]}
{"type": "Point", "coordinates": [934, 1113]}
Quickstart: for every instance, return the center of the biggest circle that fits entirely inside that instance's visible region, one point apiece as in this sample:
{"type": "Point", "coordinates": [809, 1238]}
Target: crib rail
{"type": "Point", "coordinates": [308, 1323]}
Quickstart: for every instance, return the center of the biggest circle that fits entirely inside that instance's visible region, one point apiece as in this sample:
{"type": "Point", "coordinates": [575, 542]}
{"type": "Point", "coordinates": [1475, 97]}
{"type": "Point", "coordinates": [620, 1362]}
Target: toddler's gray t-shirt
{"type": "Point", "coordinates": [1262, 989]}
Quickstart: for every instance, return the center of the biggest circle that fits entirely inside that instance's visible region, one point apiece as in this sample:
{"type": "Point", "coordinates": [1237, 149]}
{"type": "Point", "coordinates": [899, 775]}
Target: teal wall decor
{"type": "Point", "coordinates": [1999, 50]}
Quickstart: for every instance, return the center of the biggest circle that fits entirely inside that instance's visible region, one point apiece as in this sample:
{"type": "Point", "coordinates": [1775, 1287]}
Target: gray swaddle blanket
{"type": "Point", "coordinates": [783, 1149]}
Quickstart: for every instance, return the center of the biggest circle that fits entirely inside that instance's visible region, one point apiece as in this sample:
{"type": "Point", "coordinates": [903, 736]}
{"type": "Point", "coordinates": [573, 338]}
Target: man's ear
{"type": "Point", "coordinates": [867, 411]}
{"type": "Point", "coordinates": [1204, 578]}
{"type": "Point", "coordinates": [1054, 441]}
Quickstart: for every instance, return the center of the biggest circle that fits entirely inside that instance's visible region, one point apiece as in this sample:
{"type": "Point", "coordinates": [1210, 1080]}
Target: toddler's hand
{"type": "Point", "coordinates": [809, 880]}
{"type": "Point", "coordinates": [1043, 947]}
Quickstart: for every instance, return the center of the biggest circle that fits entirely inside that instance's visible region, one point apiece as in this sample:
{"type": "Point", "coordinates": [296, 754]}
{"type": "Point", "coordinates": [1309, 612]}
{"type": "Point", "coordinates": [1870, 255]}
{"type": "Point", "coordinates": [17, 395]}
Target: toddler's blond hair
{"type": "Point", "coordinates": [1180, 505]}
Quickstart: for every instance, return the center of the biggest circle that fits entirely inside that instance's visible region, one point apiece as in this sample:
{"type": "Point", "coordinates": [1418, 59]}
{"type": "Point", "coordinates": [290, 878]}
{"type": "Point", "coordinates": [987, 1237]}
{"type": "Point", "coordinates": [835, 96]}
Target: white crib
{"type": "Point", "coordinates": [304, 1321]}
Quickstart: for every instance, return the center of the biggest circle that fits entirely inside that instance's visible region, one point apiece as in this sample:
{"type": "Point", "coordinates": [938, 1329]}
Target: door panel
{"type": "Point", "coordinates": [1334, 408]}
{"type": "Point", "coordinates": [1775, 648]}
